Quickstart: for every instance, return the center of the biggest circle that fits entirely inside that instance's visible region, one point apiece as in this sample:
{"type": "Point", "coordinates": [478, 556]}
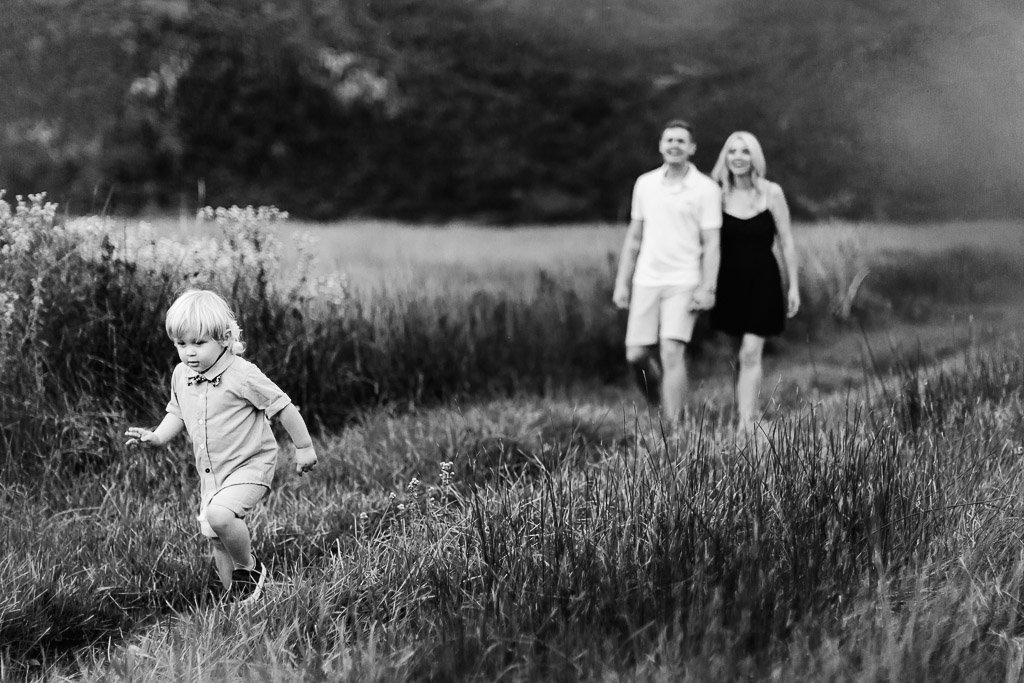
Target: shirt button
{"type": "Point", "coordinates": [202, 422]}
{"type": "Point", "coordinates": [207, 470]}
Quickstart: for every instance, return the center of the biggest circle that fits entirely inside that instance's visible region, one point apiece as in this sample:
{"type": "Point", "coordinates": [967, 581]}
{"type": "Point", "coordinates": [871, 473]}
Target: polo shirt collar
{"type": "Point", "coordinates": [685, 178]}
{"type": "Point", "coordinates": [218, 368]}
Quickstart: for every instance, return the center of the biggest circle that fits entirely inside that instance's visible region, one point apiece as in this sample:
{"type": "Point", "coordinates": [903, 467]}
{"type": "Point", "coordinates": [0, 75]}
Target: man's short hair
{"type": "Point", "coordinates": [679, 123]}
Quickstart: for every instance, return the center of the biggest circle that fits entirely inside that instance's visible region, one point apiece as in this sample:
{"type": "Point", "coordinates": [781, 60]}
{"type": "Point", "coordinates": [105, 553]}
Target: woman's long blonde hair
{"type": "Point", "coordinates": [758, 168]}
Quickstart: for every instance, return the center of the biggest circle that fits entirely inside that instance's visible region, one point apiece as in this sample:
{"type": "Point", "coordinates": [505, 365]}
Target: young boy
{"type": "Point", "coordinates": [225, 403]}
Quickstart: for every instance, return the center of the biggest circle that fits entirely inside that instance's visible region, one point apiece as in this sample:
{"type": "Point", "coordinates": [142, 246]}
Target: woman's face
{"type": "Point", "coordinates": [737, 157]}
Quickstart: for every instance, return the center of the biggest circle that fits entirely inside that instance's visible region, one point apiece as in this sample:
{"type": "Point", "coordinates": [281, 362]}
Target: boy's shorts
{"type": "Point", "coordinates": [239, 498]}
{"type": "Point", "coordinates": [657, 313]}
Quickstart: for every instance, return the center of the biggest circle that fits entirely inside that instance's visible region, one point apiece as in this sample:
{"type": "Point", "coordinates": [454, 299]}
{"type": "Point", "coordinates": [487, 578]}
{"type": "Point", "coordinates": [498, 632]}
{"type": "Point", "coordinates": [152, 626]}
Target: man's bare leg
{"type": "Point", "coordinates": [646, 368]}
{"type": "Point", "coordinates": [674, 384]}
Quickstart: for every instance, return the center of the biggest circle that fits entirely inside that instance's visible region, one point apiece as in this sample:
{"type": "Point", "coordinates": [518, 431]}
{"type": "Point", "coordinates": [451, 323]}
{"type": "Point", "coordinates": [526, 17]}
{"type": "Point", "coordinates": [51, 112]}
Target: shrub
{"type": "Point", "coordinates": [83, 303]}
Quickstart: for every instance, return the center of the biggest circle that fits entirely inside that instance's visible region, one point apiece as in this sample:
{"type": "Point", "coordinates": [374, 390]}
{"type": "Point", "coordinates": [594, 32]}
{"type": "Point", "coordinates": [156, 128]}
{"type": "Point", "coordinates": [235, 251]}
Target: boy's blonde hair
{"type": "Point", "coordinates": [200, 313]}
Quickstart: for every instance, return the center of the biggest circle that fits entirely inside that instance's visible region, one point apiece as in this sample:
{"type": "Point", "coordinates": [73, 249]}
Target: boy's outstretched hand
{"type": "Point", "coordinates": [169, 428]}
{"type": "Point", "coordinates": [139, 435]}
{"type": "Point", "coordinates": [305, 459]}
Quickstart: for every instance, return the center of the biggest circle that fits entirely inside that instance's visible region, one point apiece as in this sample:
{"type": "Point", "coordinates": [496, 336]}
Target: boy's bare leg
{"type": "Point", "coordinates": [223, 562]}
{"type": "Point", "coordinates": [235, 541]}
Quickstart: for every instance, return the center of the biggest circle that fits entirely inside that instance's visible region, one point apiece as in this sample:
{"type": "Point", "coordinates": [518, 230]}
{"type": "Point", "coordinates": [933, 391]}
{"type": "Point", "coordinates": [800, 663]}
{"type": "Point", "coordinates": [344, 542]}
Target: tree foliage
{"type": "Point", "coordinates": [508, 110]}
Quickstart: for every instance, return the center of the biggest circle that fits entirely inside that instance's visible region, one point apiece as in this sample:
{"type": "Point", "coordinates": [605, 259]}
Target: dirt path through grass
{"type": "Point", "coordinates": [847, 363]}
{"type": "Point", "coordinates": [388, 450]}
{"type": "Point", "coordinates": [849, 367]}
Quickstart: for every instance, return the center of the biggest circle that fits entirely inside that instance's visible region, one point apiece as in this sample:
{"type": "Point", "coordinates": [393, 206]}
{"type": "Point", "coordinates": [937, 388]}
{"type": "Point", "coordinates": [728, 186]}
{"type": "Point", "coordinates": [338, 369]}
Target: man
{"type": "Point", "coordinates": [668, 268]}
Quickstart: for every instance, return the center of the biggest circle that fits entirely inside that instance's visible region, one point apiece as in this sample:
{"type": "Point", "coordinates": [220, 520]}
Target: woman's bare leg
{"type": "Point", "coordinates": [748, 384]}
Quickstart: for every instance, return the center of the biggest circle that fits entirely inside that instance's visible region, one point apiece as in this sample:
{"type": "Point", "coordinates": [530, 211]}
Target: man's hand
{"type": "Point", "coordinates": [621, 296]}
{"type": "Point", "coordinates": [703, 300]}
{"type": "Point", "coordinates": [305, 459]}
{"type": "Point", "coordinates": [139, 435]}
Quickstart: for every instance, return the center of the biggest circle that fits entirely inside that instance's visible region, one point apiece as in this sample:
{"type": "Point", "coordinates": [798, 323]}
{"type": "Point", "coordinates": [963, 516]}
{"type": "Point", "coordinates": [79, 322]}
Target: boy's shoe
{"type": "Point", "coordinates": [247, 584]}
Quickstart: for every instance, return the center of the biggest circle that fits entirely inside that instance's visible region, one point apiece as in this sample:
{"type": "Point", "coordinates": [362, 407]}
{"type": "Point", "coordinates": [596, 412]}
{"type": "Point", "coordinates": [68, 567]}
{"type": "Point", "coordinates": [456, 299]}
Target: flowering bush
{"type": "Point", "coordinates": [82, 306]}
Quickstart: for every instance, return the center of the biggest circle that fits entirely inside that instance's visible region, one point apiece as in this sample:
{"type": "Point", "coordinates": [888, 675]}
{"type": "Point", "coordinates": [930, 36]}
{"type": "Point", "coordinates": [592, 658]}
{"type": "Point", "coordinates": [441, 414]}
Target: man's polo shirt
{"type": "Point", "coordinates": [228, 421]}
{"type": "Point", "coordinates": [673, 215]}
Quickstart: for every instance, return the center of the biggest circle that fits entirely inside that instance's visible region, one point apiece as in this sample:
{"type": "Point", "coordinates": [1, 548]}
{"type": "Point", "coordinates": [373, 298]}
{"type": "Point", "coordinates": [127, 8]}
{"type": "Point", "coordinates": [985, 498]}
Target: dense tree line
{"type": "Point", "coordinates": [507, 110]}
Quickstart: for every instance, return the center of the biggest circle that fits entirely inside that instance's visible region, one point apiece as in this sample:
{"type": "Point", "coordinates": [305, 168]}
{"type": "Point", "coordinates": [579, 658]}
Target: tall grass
{"type": "Point", "coordinates": [83, 302]}
{"type": "Point", "coordinates": [557, 543]}
{"type": "Point", "coordinates": [863, 548]}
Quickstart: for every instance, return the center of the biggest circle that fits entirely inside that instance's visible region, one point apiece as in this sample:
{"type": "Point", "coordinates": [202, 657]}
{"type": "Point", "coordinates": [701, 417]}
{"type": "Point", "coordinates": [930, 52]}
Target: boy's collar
{"type": "Point", "coordinates": [218, 367]}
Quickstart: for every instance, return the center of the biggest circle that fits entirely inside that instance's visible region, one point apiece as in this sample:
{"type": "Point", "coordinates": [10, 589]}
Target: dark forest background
{"type": "Point", "coordinates": [507, 110]}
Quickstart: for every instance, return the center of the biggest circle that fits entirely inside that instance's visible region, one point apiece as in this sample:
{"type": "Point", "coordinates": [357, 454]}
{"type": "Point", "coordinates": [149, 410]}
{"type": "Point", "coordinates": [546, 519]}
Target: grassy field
{"type": "Point", "coordinates": [376, 251]}
{"type": "Point", "coordinates": [541, 529]}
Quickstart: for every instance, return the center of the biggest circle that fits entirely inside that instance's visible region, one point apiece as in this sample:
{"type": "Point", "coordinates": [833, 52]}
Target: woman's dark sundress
{"type": "Point", "coordinates": [749, 297]}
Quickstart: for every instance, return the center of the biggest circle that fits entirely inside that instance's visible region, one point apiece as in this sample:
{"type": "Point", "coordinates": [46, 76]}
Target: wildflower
{"type": "Point", "coordinates": [447, 473]}
{"type": "Point", "coordinates": [415, 488]}
{"type": "Point", "coordinates": [7, 309]}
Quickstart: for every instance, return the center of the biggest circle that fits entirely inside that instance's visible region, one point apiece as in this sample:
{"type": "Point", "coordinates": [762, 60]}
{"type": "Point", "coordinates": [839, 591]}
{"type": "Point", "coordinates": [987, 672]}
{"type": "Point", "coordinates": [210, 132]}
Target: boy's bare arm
{"type": "Point", "coordinates": [169, 428]}
{"type": "Point", "coordinates": [305, 454]}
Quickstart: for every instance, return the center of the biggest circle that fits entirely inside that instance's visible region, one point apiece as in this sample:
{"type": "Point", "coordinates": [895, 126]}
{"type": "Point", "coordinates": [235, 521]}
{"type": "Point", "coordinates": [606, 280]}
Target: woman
{"type": "Point", "coordinates": [749, 304]}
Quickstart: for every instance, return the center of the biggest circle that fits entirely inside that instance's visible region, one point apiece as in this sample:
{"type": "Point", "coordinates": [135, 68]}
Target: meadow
{"type": "Point", "coordinates": [493, 503]}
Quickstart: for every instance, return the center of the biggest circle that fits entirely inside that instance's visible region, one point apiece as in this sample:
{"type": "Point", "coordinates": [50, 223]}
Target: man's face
{"type": "Point", "coordinates": [676, 146]}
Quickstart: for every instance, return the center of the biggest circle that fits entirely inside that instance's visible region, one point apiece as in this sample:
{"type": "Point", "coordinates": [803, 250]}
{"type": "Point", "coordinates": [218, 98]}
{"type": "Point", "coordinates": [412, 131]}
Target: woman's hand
{"type": "Point", "coordinates": [793, 305]}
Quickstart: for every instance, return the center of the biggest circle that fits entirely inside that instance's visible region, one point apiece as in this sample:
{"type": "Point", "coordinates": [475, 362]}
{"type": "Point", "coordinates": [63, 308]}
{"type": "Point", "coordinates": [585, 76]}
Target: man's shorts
{"type": "Point", "coordinates": [239, 498]}
{"type": "Point", "coordinates": [657, 313]}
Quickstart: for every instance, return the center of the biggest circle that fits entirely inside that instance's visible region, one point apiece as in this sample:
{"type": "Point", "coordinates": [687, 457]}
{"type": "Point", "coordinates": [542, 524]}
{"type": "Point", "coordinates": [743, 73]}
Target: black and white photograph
{"type": "Point", "coordinates": [512, 340]}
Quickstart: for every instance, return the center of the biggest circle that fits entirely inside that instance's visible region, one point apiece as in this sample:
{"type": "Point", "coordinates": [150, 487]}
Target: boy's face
{"type": "Point", "coordinates": [200, 354]}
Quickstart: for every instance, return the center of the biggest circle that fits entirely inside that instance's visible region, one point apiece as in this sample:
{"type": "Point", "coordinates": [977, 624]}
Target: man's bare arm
{"type": "Point", "coordinates": [704, 297]}
{"type": "Point", "coordinates": [627, 263]}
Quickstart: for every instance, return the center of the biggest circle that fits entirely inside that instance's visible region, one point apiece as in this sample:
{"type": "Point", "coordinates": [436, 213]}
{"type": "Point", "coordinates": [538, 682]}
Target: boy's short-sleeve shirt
{"type": "Point", "coordinates": [228, 419]}
{"type": "Point", "coordinates": [673, 217]}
